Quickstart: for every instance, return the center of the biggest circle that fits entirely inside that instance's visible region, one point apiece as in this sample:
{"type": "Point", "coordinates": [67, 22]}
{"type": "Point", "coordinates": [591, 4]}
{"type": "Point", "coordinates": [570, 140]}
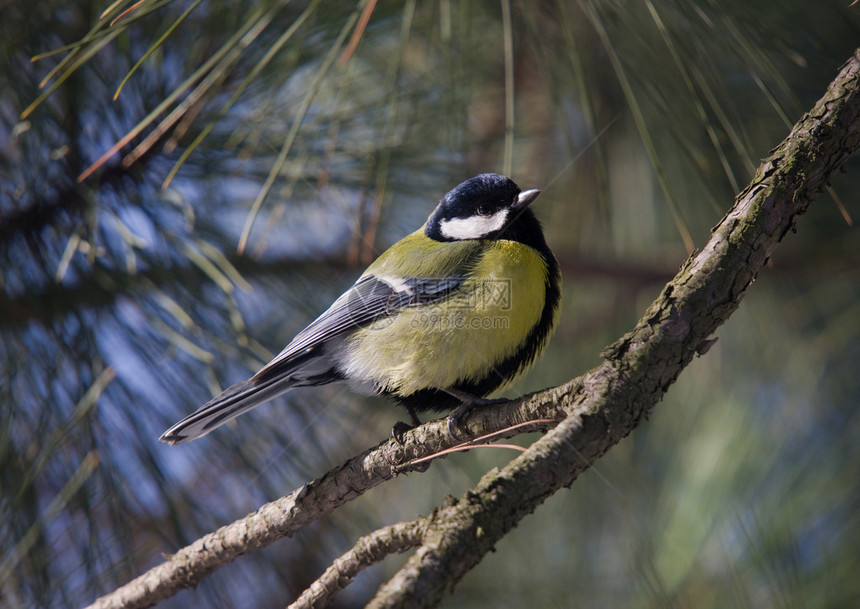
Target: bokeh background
{"type": "Point", "coordinates": [273, 158]}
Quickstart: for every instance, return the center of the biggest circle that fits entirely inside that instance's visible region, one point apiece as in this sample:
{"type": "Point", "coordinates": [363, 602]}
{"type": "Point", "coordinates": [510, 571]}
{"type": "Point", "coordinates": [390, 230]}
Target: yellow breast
{"type": "Point", "coordinates": [462, 338]}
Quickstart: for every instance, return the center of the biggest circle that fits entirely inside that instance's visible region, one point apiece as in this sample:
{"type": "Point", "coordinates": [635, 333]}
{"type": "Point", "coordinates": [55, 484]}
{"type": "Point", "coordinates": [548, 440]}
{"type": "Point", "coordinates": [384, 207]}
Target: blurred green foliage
{"type": "Point", "coordinates": [124, 304]}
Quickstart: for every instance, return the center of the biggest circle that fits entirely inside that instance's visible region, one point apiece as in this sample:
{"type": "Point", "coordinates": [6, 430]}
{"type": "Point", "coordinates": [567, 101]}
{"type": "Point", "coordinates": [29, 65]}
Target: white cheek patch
{"type": "Point", "coordinates": [473, 227]}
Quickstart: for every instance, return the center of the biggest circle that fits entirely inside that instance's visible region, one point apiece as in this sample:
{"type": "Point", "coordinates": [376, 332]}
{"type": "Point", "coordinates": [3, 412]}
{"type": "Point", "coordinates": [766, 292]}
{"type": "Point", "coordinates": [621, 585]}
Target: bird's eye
{"type": "Point", "coordinates": [484, 209]}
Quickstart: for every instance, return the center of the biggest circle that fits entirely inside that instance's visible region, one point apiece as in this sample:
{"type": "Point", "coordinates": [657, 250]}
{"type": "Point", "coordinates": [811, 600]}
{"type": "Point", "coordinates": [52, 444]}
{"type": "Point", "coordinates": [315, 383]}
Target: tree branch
{"type": "Point", "coordinates": [368, 550]}
{"type": "Point", "coordinates": [283, 517]}
{"type": "Point", "coordinates": [641, 366]}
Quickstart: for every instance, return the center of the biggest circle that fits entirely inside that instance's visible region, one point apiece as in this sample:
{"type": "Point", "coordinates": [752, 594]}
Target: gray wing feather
{"type": "Point", "coordinates": [303, 362]}
{"type": "Point", "coordinates": [369, 299]}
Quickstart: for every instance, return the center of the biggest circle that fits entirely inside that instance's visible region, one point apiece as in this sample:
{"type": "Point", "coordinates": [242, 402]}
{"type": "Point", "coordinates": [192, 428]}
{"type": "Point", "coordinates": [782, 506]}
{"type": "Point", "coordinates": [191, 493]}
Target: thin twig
{"type": "Point", "coordinates": [367, 551]}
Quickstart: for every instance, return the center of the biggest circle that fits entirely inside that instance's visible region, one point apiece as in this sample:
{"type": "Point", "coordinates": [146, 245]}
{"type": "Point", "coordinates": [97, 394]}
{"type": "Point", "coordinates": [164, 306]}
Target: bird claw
{"type": "Point", "coordinates": [468, 402]}
{"type": "Point", "coordinates": [453, 421]}
{"type": "Point", "coordinates": [399, 430]}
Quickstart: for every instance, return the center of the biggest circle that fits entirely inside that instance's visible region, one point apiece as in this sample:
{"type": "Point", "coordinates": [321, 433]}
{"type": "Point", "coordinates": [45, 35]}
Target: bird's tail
{"type": "Point", "coordinates": [235, 400]}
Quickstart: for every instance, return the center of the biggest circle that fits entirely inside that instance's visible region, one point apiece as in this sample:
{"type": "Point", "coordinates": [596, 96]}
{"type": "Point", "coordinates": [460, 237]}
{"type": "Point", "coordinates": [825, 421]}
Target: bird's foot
{"type": "Point", "coordinates": [467, 403]}
{"type": "Point", "coordinates": [399, 430]}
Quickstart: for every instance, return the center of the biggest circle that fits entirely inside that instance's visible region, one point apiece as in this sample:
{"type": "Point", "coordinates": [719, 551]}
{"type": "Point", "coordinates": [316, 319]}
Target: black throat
{"type": "Point", "coordinates": [525, 228]}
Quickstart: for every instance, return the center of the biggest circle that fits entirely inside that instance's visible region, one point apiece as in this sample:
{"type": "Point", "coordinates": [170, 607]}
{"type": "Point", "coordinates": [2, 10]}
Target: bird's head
{"type": "Point", "coordinates": [488, 206]}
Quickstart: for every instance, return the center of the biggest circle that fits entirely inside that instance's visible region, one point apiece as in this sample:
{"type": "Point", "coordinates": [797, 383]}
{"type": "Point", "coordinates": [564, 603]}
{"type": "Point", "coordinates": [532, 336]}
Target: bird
{"type": "Point", "coordinates": [445, 317]}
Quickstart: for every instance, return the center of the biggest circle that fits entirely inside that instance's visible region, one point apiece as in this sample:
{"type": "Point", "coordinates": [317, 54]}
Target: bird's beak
{"type": "Point", "coordinates": [525, 198]}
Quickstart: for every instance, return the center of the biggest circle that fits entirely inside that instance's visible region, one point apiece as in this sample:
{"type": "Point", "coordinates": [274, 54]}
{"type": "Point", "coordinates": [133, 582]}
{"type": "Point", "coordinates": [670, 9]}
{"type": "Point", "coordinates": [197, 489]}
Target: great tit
{"type": "Point", "coordinates": [442, 319]}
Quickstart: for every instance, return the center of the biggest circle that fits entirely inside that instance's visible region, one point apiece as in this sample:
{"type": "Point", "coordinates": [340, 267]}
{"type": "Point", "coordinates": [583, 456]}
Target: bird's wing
{"type": "Point", "coordinates": [370, 299]}
{"type": "Point", "coordinates": [407, 274]}
{"type": "Point", "coordinates": [415, 271]}
{"type": "Point", "coordinates": [302, 362]}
